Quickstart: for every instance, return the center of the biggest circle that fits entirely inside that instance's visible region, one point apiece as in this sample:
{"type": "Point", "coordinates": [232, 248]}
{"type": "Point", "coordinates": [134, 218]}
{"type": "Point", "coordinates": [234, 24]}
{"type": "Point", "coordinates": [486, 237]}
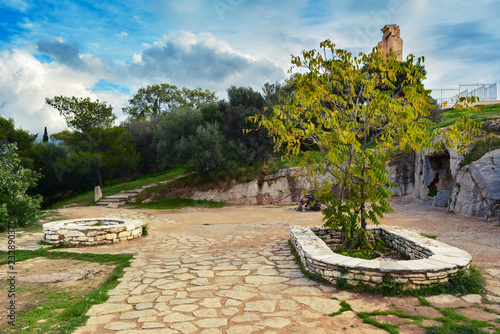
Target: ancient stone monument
{"type": "Point", "coordinates": [97, 193]}
{"type": "Point", "coordinates": [391, 42]}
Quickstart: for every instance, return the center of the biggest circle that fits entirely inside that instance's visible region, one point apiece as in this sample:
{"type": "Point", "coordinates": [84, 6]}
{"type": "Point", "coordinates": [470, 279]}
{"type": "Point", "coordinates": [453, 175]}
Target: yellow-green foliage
{"type": "Point", "coordinates": [357, 111]}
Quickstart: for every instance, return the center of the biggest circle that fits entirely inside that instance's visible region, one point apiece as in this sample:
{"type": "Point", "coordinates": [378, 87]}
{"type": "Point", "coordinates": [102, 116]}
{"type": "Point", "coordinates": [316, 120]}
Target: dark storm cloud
{"type": "Point", "coordinates": [63, 52]}
{"type": "Point", "coordinates": [201, 60]}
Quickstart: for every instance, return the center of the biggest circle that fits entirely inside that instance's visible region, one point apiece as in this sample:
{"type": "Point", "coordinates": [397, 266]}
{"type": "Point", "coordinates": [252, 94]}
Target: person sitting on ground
{"type": "Point", "coordinates": [309, 203]}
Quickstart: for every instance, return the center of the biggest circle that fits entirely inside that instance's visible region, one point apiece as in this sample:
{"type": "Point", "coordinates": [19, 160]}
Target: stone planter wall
{"type": "Point", "coordinates": [87, 232]}
{"type": "Point", "coordinates": [431, 261]}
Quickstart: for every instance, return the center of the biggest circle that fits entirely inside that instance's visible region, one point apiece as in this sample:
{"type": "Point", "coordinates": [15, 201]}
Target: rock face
{"type": "Point", "coordinates": [284, 187]}
{"type": "Point", "coordinates": [402, 173]}
{"type": "Point", "coordinates": [477, 189]}
{"type": "Point", "coordinates": [435, 175]}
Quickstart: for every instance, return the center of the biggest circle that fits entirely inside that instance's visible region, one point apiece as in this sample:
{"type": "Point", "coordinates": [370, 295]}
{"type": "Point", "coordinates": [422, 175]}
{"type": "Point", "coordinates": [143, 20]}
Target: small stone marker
{"type": "Point", "coordinates": [97, 193]}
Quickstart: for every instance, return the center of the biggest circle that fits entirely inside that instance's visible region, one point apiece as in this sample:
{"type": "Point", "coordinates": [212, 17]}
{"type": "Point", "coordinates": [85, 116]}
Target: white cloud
{"type": "Point", "coordinates": [137, 58]}
{"type": "Point", "coordinates": [25, 82]}
{"type": "Point", "coordinates": [121, 35]}
{"type": "Point", "coordinates": [185, 59]}
{"type": "Point", "coordinates": [20, 5]}
{"type": "Point", "coordinates": [198, 60]}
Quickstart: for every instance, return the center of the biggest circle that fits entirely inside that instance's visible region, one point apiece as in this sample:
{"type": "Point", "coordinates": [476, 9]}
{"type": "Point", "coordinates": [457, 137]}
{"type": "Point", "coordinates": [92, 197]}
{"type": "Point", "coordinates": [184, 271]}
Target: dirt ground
{"type": "Point", "coordinates": [480, 238]}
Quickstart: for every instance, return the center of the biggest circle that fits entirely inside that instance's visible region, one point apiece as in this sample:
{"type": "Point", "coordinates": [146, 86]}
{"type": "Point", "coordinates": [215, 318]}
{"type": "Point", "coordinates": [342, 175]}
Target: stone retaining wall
{"type": "Point", "coordinates": [93, 231]}
{"type": "Point", "coordinates": [430, 261]}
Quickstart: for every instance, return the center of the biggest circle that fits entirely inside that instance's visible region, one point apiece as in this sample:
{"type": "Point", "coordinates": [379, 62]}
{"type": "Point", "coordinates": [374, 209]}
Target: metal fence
{"type": "Point", "coordinates": [484, 92]}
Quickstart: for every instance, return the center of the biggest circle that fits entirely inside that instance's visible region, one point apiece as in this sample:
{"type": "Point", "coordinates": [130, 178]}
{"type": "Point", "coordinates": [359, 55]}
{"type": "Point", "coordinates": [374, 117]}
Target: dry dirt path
{"type": "Point", "coordinates": [230, 270]}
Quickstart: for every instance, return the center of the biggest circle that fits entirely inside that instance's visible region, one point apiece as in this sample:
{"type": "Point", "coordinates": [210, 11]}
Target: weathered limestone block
{"type": "Point", "coordinates": [477, 190]}
{"type": "Point", "coordinates": [74, 233]}
{"type": "Point", "coordinates": [97, 193]}
{"type": "Point", "coordinates": [123, 234]}
{"type": "Point", "coordinates": [402, 173]}
{"type": "Point", "coordinates": [276, 191]}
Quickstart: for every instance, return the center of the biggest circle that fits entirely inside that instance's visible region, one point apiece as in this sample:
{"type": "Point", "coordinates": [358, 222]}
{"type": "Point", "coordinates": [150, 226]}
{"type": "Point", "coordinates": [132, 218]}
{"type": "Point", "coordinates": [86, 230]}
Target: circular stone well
{"type": "Point", "coordinates": [91, 231]}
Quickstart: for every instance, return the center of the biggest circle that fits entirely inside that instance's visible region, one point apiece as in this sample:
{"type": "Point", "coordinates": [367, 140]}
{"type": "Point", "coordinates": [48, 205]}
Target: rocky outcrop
{"type": "Point", "coordinates": [477, 189]}
{"type": "Point", "coordinates": [402, 173]}
{"type": "Point", "coordinates": [435, 175]}
{"type": "Point", "coordinates": [244, 193]}
{"type": "Point", "coordinates": [284, 187]}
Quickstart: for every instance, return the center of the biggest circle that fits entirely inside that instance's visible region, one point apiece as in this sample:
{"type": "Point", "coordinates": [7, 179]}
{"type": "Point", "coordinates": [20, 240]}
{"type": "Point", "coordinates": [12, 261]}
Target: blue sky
{"type": "Point", "coordinates": [107, 51]}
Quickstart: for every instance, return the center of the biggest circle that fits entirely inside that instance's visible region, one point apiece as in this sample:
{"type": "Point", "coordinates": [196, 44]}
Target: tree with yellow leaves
{"type": "Point", "coordinates": [357, 111]}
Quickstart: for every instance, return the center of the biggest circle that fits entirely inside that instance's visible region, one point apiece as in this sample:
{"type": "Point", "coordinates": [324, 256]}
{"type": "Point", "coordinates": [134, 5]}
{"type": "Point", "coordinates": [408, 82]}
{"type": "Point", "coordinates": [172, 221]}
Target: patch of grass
{"type": "Point", "coordinates": [367, 254]}
{"type": "Point", "coordinates": [483, 145]}
{"type": "Point", "coordinates": [179, 203]}
{"type": "Point", "coordinates": [464, 282]}
{"type": "Point", "coordinates": [424, 302]}
{"type": "Point", "coordinates": [385, 326]}
{"type": "Point", "coordinates": [145, 230]}
{"type": "Point", "coordinates": [450, 316]}
{"type": "Point", "coordinates": [430, 236]}
{"type": "Point", "coordinates": [449, 116]}
{"type": "Point", "coordinates": [74, 304]}
{"type": "Point", "coordinates": [344, 307]}
{"type": "Point", "coordinates": [452, 322]}
{"type": "Point", "coordinates": [115, 187]}
{"type": "Point", "coordinates": [22, 255]}
{"type": "Point", "coordinates": [455, 328]}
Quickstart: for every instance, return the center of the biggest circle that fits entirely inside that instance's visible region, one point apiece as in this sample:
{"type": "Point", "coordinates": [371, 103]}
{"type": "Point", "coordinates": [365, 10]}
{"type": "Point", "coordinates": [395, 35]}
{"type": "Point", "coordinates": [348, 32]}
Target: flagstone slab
{"type": "Point", "coordinates": [178, 317]}
{"type": "Point", "coordinates": [245, 317]}
{"type": "Point", "coordinates": [107, 308]}
{"type": "Point", "coordinates": [211, 323]}
{"type": "Point", "coordinates": [184, 327]}
{"type": "Point", "coordinates": [119, 325]}
{"type": "Point", "coordinates": [238, 295]}
{"type": "Point", "coordinates": [320, 304]}
{"type": "Point", "coordinates": [262, 280]}
{"type": "Point", "coordinates": [205, 313]}
{"type": "Point", "coordinates": [138, 314]}
{"type": "Point", "coordinates": [277, 323]}
{"type": "Point", "coordinates": [261, 306]}
{"type": "Point", "coordinates": [243, 329]}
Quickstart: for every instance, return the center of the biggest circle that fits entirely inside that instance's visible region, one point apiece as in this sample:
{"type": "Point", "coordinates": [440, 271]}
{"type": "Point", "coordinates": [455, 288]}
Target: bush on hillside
{"type": "Point", "coordinates": [16, 206]}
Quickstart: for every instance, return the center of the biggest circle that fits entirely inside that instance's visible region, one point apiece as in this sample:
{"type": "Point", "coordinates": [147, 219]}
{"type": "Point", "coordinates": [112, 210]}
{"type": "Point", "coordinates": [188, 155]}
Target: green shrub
{"type": "Point", "coordinates": [16, 206]}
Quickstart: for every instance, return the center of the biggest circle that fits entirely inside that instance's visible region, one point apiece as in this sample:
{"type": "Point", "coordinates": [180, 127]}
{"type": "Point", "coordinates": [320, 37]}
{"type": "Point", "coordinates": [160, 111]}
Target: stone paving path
{"type": "Point", "coordinates": [184, 283]}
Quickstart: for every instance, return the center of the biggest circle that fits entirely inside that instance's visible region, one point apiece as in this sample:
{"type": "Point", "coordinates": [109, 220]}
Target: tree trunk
{"type": "Point", "coordinates": [363, 219]}
{"type": "Point", "coordinates": [99, 176]}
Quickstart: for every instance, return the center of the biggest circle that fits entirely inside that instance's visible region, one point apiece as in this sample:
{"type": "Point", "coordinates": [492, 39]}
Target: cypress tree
{"type": "Point", "coordinates": [45, 135]}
